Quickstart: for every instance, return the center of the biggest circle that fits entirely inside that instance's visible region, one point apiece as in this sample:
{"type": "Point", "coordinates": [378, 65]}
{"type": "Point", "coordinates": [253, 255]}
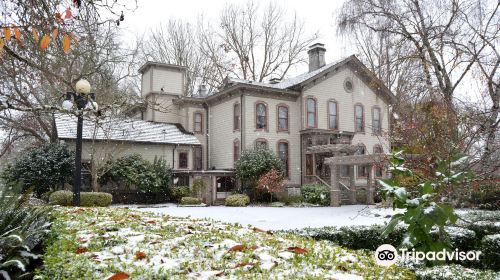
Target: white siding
{"type": "Point", "coordinates": [272, 135]}
{"type": "Point", "coordinates": [146, 82]}
{"type": "Point", "coordinates": [221, 134]}
{"type": "Point", "coordinates": [171, 80]}
{"type": "Point", "coordinates": [333, 88]}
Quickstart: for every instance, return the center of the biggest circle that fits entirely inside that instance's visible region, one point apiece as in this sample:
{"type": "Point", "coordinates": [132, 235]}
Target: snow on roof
{"type": "Point", "coordinates": [119, 129]}
{"type": "Point", "coordinates": [291, 81]}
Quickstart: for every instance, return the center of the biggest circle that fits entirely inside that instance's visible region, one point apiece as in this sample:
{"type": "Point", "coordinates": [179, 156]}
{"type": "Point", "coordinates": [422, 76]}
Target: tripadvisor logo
{"type": "Point", "coordinates": [386, 255]}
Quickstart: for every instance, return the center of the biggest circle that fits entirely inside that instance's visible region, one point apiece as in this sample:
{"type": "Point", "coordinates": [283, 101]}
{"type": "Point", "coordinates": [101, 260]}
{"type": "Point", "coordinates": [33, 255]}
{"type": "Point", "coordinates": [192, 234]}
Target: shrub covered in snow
{"type": "Point", "coordinates": [178, 192]}
{"type": "Point", "coordinates": [187, 200]}
{"type": "Point", "coordinates": [354, 237]}
{"type": "Point", "coordinates": [490, 248]}
{"type": "Point", "coordinates": [87, 199]}
{"type": "Point", "coordinates": [455, 272]}
{"type": "Point", "coordinates": [316, 194]}
{"type": "Point", "coordinates": [237, 200]}
{"type": "Point", "coordinates": [45, 168]}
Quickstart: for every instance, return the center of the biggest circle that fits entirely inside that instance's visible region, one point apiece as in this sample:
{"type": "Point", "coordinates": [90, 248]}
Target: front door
{"type": "Point", "coordinates": [322, 169]}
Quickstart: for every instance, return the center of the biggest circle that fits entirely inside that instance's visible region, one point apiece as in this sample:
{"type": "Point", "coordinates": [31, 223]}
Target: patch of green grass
{"type": "Point", "coordinates": [96, 243]}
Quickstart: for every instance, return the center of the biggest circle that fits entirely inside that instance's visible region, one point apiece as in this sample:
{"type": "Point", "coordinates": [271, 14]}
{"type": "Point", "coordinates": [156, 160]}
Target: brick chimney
{"type": "Point", "coordinates": [316, 54]}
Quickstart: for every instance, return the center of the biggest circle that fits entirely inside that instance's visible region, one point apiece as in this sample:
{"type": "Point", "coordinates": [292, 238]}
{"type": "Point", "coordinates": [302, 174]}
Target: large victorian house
{"type": "Point", "coordinates": [338, 110]}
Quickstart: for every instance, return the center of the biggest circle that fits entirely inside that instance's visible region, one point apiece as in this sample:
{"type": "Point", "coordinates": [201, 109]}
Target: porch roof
{"type": "Point", "coordinates": [356, 159]}
{"type": "Point", "coordinates": [341, 148]}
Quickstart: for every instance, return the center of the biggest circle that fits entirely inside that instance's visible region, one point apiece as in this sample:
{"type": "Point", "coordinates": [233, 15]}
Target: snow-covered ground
{"type": "Point", "coordinates": [281, 218]}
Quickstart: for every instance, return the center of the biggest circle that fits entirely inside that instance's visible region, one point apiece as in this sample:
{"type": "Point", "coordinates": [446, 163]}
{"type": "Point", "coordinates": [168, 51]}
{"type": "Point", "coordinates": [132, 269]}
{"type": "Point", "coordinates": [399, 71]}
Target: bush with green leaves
{"type": "Point", "coordinates": [291, 199]}
{"type": "Point", "coordinates": [255, 163]}
{"type": "Point", "coordinates": [316, 194]}
{"type": "Point", "coordinates": [22, 229]}
{"type": "Point", "coordinates": [87, 199]}
{"type": "Point", "coordinates": [178, 192]}
{"type": "Point", "coordinates": [187, 200]}
{"type": "Point", "coordinates": [198, 187]}
{"type": "Point", "coordinates": [134, 171]}
{"type": "Point", "coordinates": [237, 200]}
{"type": "Point", "coordinates": [455, 272]}
{"type": "Point", "coordinates": [44, 168]}
{"type": "Point", "coordinates": [425, 212]}
{"type": "Point", "coordinates": [490, 249]}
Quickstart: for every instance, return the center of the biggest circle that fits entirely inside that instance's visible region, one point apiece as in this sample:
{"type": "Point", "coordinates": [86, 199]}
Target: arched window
{"type": "Point", "coordinates": [359, 118]}
{"type": "Point", "coordinates": [198, 122]}
{"type": "Point", "coordinates": [333, 117]}
{"type": "Point", "coordinates": [261, 116]}
{"type": "Point", "coordinates": [284, 154]}
{"type": "Point", "coordinates": [236, 116]}
{"type": "Point", "coordinates": [261, 143]}
{"type": "Point", "coordinates": [311, 113]}
{"type": "Point", "coordinates": [376, 123]}
{"type": "Point", "coordinates": [236, 150]}
{"type": "Point", "coordinates": [282, 118]}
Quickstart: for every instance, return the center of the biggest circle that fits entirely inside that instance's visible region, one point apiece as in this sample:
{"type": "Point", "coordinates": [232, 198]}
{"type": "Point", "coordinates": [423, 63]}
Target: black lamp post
{"type": "Point", "coordinates": [83, 99]}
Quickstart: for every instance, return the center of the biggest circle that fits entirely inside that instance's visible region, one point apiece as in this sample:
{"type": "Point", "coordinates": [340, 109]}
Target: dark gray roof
{"type": "Point", "coordinates": [117, 129]}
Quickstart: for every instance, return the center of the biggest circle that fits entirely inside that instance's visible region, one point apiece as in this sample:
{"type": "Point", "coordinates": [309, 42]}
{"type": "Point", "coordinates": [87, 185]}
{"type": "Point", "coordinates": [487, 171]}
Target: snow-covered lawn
{"type": "Point", "coordinates": [281, 218]}
{"type": "Point", "coordinates": [115, 243]}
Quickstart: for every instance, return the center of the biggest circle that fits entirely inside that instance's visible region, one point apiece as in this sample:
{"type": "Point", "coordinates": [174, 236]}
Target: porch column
{"type": "Point", "coordinates": [369, 186]}
{"type": "Point", "coordinates": [352, 185]}
{"type": "Point", "coordinates": [335, 190]}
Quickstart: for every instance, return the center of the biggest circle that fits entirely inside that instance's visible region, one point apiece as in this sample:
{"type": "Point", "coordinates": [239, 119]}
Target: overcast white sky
{"type": "Point", "coordinates": [318, 17]}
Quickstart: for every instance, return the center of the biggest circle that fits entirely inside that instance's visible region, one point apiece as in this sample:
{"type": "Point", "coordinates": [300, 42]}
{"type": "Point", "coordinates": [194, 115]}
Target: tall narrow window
{"type": "Point", "coordinates": [359, 118]}
{"type": "Point", "coordinates": [309, 164]}
{"type": "Point", "coordinates": [311, 113]}
{"type": "Point", "coordinates": [283, 154]}
{"type": "Point", "coordinates": [377, 149]}
{"type": "Point", "coordinates": [198, 122]}
{"type": "Point", "coordinates": [236, 116]}
{"type": "Point", "coordinates": [236, 150]}
{"type": "Point", "coordinates": [261, 143]}
{"type": "Point", "coordinates": [362, 169]}
{"type": "Point", "coordinates": [376, 125]}
{"type": "Point", "coordinates": [197, 158]}
{"type": "Point", "coordinates": [183, 160]}
{"type": "Point", "coordinates": [333, 121]}
{"type": "Point", "coordinates": [260, 116]}
{"type": "Point", "coordinates": [282, 118]}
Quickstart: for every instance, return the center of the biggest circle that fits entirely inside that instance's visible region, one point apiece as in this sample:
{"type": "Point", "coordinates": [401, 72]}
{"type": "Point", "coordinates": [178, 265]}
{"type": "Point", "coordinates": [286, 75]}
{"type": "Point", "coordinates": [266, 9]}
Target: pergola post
{"type": "Point", "coordinates": [334, 182]}
{"type": "Point", "coordinates": [352, 185]}
{"type": "Point", "coordinates": [369, 186]}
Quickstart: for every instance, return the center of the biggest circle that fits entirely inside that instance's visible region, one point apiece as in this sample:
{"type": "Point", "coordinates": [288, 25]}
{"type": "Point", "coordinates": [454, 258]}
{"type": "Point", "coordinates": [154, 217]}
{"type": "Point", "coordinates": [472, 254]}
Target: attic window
{"type": "Point", "coordinates": [348, 84]}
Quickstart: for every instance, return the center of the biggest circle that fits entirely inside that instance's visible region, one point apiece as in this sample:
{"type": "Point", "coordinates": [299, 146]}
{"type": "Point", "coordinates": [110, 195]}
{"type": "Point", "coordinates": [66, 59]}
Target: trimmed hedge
{"type": "Point", "coordinates": [237, 200]}
{"type": "Point", "coordinates": [316, 194]}
{"type": "Point", "coordinates": [187, 200]}
{"type": "Point", "coordinates": [87, 199]}
{"type": "Point", "coordinates": [490, 248]}
{"type": "Point", "coordinates": [455, 272]}
{"type": "Point", "coordinates": [178, 192]}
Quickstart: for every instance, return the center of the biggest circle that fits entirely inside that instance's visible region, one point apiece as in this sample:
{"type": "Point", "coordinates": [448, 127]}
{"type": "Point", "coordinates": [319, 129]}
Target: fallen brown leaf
{"type": "Point", "coordinates": [297, 250]}
{"type": "Point", "coordinates": [81, 250]}
{"type": "Point", "coordinates": [140, 255]}
{"type": "Point", "coordinates": [119, 276]}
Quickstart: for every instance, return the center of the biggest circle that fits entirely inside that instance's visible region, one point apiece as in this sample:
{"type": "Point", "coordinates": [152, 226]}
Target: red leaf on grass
{"type": "Point", "coordinates": [297, 250]}
{"type": "Point", "coordinates": [237, 248]}
{"type": "Point", "coordinates": [140, 255]}
{"type": "Point", "coordinates": [119, 276]}
{"type": "Point", "coordinates": [220, 274]}
{"type": "Point", "coordinates": [151, 222]}
{"type": "Point", "coordinates": [244, 264]}
{"type": "Point", "coordinates": [81, 250]}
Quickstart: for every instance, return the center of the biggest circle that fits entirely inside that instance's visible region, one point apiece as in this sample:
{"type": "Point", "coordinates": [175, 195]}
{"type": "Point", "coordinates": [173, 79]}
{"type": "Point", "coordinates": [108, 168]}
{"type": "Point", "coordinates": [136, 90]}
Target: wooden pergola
{"type": "Point", "coordinates": [351, 160]}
